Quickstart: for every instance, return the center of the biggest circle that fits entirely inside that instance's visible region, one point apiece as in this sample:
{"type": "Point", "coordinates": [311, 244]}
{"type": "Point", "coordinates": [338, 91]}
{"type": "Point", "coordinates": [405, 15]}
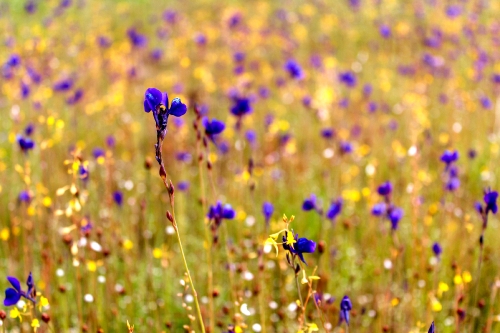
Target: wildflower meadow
{"type": "Point", "coordinates": [249, 166]}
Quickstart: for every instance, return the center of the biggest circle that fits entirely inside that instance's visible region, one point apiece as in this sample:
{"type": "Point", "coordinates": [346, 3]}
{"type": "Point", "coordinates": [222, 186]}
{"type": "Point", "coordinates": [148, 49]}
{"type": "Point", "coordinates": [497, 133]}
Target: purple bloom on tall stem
{"type": "Point", "coordinates": [346, 147]}
{"type": "Point", "coordinates": [327, 133]}
{"type": "Point", "coordinates": [183, 186]}
{"type": "Point", "coordinates": [24, 196]}
{"type": "Point", "coordinates": [75, 98]}
{"type": "Point", "coordinates": [25, 143]}
{"type": "Point", "coordinates": [385, 189]}
{"type": "Point", "coordinates": [157, 102]}
{"type": "Point", "coordinates": [98, 152]}
{"type": "Point", "coordinates": [29, 129]}
{"type": "Point", "coordinates": [267, 210]}
{"type": "Point", "coordinates": [251, 136]}
{"type": "Point", "coordinates": [241, 106]}
{"type": "Point", "coordinates": [437, 249]}
{"type": "Point", "coordinates": [63, 85]}
{"type": "Point", "coordinates": [30, 6]}
{"type": "Point", "coordinates": [14, 294]}
{"type": "Point", "coordinates": [25, 90]}
{"type": "Point", "coordinates": [110, 141]}
{"type": "Point", "coordinates": [385, 31]}
{"type": "Point", "coordinates": [137, 39]}
{"type": "Point", "coordinates": [294, 70]}
{"type": "Point", "coordinates": [212, 127]}
{"type": "Point", "coordinates": [309, 203]}
{"type": "Point", "coordinates": [218, 212]}
{"type": "Point", "coordinates": [13, 61]}
{"type": "Point", "coordinates": [395, 216]}
{"type": "Point", "coordinates": [490, 199]}
{"type": "Point", "coordinates": [348, 78]}
{"type": "Point", "coordinates": [118, 198]}
{"type": "Point", "coordinates": [334, 210]}
{"type": "Point", "coordinates": [301, 246]}
{"type": "Point", "coordinates": [345, 308]}
{"type": "Point", "coordinates": [486, 102]}
{"type": "Point", "coordinates": [449, 157]}
{"type": "Point", "coordinates": [379, 209]}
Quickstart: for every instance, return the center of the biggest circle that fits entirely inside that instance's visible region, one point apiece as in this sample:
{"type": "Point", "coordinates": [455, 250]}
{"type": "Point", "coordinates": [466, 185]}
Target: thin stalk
{"type": "Point", "coordinates": [171, 217]}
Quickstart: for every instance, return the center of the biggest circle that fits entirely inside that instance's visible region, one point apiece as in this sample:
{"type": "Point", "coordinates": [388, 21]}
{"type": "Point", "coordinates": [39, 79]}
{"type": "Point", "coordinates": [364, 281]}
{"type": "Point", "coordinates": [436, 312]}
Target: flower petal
{"type": "Point", "coordinates": [15, 283]}
{"type": "Point", "coordinates": [177, 108]}
{"type": "Point", "coordinates": [12, 296]}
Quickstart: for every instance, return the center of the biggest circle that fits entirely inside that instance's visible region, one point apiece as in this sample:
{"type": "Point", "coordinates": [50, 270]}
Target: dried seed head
{"type": "Point", "coordinates": [45, 318]}
{"type": "Point", "coordinates": [148, 163]}
{"type": "Point", "coordinates": [170, 217]}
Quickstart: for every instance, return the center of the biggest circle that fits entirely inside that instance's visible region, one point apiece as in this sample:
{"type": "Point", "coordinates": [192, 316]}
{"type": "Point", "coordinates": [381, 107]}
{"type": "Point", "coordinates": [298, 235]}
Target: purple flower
{"type": "Point", "coordinates": [379, 209]}
{"type": "Point", "coordinates": [346, 147]}
{"type": "Point", "coordinates": [156, 54]}
{"type": "Point", "coordinates": [218, 212]}
{"type": "Point", "coordinates": [294, 69]}
{"type": "Point", "coordinates": [183, 186]}
{"type": "Point", "coordinates": [13, 295]}
{"type": "Point", "coordinates": [170, 16]}
{"type": "Point", "coordinates": [327, 133]}
{"type": "Point", "coordinates": [104, 42]}
{"type": "Point", "coordinates": [301, 246]}
{"type": "Point", "coordinates": [385, 31]}
{"type": "Point", "coordinates": [25, 143]}
{"type": "Point", "coordinates": [13, 61]}
{"type": "Point", "coordinates": [385, 189]}
{"type": "Point", "coordinates": [73, 99]}
{"type": "Point", "coordinates": [348, 78]}
{"type": "Point", "coordinates": [200, 39]}
{"type": "Point", "coordinates": [118, 198]}
{"type": "Point", "coordinates": [267, 210]}
{"type": "Point", "coordinates": [24, 196]}
{"type": "Point", "coordinates": [490, 199]}
{"type": "Point", "coordinates": [212, 127]}
{"type": "Point", "coordinates": [98, 152]}
{"type": "Point", "coordinates": [485, 102]}
{"type": "Point", "coordinates": [25, 90]}
{"type": "Point", "coordinates": [309, 203]}
{"type": "Point", "coordinates": [436, 248]}
{"type": "Point", "coordinates": [334, 210]}
{"type": "Point", "coordinates": [472, 153]}
{"type": "Point", "coordinates": [29, 129]}
{"type": "Point", "coordinates": [345, 308]}
{"type": "Point", "coordinates": [110, 141]}
{"type": "Point", "coordinates": [83, 172]}
{"type": "Point", "coordinates": [449, 157]}
{"type": "Point", "coordinates": [453, 184]}
{"type": "Point", "coordinates": [241, 106]}
{"type": "Point", "coordinates": [137, 39]}
{"type": "Point", "coordinates": [156, 101]}
{"type": "Point", "coordinates": [251, 137]}
{"type": "Point", "coordinates": [395, 216]}
{"type": "Point", "coordinates": [453, 11]}
{"type": "Point", "coordinates": [34, 76]}
{"type": "Point", "coordinates": [63, 85]}
{"type": "Point", "coordinates": [30, 6]}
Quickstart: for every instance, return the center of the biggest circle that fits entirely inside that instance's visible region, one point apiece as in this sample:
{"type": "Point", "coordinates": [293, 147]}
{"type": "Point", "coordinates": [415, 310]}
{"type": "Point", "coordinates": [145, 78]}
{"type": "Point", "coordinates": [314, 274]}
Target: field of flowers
{"type": "Point", "coordinates": [333, 166]}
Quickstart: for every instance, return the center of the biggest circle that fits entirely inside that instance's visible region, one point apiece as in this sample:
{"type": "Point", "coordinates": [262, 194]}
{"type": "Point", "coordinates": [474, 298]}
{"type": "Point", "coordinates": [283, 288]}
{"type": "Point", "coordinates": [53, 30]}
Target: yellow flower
{"type": "Point", "coordinates": [304, 279]}
{"type": "Point", "coordinates": [14, 313]}
{"type": "Point", "coordinates": [290, 239]}
{"type": "Point", "coordinates": [35, 324]}
{"type": "Point", "coordinates": [272, 242]}
{"type": "Point", "coordinates": [44, 302]}
{"type": "Point", "coordinates": [130, 327]}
